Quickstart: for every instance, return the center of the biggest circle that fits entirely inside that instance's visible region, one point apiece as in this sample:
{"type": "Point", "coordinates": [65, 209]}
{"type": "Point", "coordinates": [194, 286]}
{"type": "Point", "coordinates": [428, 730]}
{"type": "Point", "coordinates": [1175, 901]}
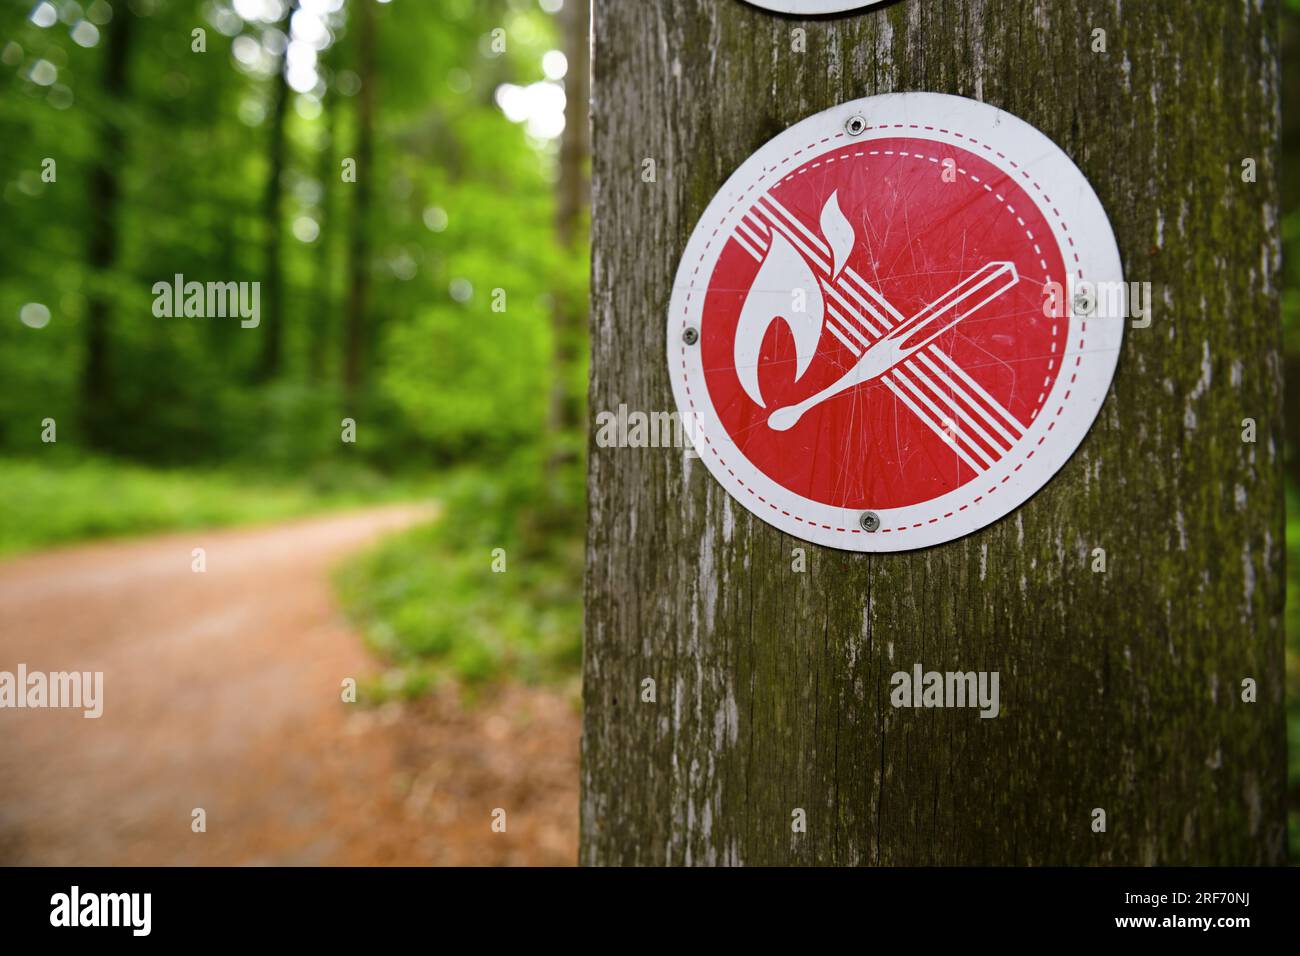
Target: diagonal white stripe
{"type": "Point", "coordinates": [793, 237]}
{"type": "Point", "coordinates": [848, 307]}
{"type": "Point", "coordinates": [834, 329]}
{"type": "Point", "coordinates": [934, 428]}
{"type": "Point", "coordinates": [750, 233]}
{"type": "Point", "coordinates": [923, 378]}
{"type": "Point", "coordinates": [744, 244]}
{"type": "Point", "coordinates": [977, 389]}
{"type": "Point", "coordinates": [871, 308]}
{"type": "Point", "coordinates": [939, 414]}
{"type": "Point", "coordinates": [831, 310]}
{"type": "Point", "coordinates": [965, 396]}
{"type": "Point", "coordinates": [808, 233]}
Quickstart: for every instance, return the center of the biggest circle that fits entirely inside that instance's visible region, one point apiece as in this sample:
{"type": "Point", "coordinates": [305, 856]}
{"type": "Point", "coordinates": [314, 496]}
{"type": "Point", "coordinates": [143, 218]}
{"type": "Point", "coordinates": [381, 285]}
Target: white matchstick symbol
{"type": "Point", "coordinates": [907, 337]}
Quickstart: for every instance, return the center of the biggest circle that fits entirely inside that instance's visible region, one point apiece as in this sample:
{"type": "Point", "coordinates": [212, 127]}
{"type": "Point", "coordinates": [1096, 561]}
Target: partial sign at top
{"type": "Point", "coordinates": [813, 7]}
{"type": "Point", "coordinates": [876, 326]}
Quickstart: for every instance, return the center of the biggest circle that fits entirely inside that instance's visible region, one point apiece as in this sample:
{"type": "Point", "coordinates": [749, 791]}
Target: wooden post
{"type": "Point", "coordinates": [1121, 690]}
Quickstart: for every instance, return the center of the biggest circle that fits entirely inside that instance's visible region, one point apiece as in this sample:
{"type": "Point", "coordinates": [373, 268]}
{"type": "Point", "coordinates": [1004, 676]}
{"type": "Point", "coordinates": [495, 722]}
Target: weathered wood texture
{"type": "Point", "coordinates": [1119, 690]}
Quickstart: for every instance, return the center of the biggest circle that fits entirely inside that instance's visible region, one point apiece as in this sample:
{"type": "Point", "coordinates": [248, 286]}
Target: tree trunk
{"type": "Point", "coordinates": [97, 393]}
{"type": "Point", "coordinates": [573, 193]}
{"type": "Point", "coordinates": [1290, 190]}
{"type": "Point", "coordinates": [572, 201]}
{"type": "Point", "coordinates": [354, 342]}
{"type": "Point", "coordinates": [321, 327]}
{"type": "Point", "coordinates": [268, 365]}
{"type": "Point", "coordinates": [1120, 690]}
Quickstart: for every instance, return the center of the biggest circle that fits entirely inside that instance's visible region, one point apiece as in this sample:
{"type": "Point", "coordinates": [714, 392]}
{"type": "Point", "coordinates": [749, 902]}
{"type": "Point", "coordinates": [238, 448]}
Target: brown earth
{"type": "Point", "coordinates": [222, 690]}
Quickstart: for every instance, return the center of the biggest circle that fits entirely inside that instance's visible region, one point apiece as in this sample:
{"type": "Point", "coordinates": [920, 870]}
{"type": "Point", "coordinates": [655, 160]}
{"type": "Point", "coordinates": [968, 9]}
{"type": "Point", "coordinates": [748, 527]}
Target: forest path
{"type": "Point", "coordinates": [221, 690]}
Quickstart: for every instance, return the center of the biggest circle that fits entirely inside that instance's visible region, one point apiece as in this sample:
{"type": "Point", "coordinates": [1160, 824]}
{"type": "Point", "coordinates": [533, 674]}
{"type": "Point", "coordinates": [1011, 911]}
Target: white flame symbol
{"type": "Point", "coordinates": [782, 272]}
{"type": "Point", "coordinates": [838, 233]}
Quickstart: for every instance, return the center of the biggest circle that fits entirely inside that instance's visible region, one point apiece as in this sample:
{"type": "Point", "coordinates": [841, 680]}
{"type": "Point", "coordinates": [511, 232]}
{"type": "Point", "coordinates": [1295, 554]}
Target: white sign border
{"type": "Point", "coordinates": [812, 8]}
{"type": "Point", "coordinates": [1083, 234]}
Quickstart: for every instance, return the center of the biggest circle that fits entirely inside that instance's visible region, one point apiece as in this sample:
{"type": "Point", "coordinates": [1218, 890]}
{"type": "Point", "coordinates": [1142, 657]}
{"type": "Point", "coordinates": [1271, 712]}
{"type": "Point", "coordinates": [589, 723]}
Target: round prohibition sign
{"type": "Point", "coordinates": [873, 330]}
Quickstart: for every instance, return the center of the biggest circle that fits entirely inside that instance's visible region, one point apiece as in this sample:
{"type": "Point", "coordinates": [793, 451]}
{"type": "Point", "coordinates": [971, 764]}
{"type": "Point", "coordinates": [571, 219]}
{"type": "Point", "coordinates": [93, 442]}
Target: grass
{"type": "Point", "coordinates": [430, 601]}
{"type": "Point", "coordinates": [55, 502]}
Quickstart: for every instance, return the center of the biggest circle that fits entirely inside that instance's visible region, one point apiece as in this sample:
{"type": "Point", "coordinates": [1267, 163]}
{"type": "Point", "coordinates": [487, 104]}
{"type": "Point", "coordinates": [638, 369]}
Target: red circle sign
{"type": "Point", "coordinates": [882, 333]}
{"type": "Point", "coordinates": [935, 420]}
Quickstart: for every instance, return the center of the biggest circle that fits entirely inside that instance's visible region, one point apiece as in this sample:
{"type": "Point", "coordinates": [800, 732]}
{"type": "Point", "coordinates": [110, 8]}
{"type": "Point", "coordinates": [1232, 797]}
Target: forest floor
{"type": "Point", "coordinates": [222, 691]}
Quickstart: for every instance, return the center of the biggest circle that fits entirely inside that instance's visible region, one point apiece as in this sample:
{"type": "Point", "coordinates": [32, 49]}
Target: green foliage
{"type": "Point", "coordinates": [466, 376]}
{"type": "Point", "coordinates": [440, 378]}
{"type": "Point", "coordinates": [430, 601]}
{"type": "Point", "coordinates": [435, 273]}
{"type": "Point", "coordinates": [48, 503]}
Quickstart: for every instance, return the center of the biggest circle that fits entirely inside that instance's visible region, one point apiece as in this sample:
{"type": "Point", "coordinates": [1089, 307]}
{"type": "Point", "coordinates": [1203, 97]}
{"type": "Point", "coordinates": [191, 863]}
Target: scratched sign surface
{"type": "Point", "coordinates": [884, 328]}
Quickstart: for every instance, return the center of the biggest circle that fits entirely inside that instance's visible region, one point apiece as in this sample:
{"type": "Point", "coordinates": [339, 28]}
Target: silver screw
{"type": "Point", "coordinates": [855, 125]}
{"type": "Point", "coordinates": [1082, 304]}
{"type": "Point", "coordinates": [690, 336]}
{"type": "Point", "coordinates": [870, 521]}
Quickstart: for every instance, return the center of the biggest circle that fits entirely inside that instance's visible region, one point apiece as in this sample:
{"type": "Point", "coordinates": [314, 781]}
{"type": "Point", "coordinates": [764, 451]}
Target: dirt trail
{"type": "Point", "coordinates": [222, 691]}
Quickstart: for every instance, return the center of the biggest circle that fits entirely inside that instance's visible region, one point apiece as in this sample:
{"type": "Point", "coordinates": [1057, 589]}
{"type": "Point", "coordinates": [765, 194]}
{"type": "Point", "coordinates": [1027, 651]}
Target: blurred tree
{"type": "Point", "coordinates": [97, 397]}
{"type": "Point", "coordinates": [570, 312]}
{"type": "Point", "coordinates": [359, 249]}
{"type": "Point", "coordinates": [223, 164]}
{"type": "Point", "coordinates": [320, 323]}
{"type": "Point", "coordinates": [273, 316]}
